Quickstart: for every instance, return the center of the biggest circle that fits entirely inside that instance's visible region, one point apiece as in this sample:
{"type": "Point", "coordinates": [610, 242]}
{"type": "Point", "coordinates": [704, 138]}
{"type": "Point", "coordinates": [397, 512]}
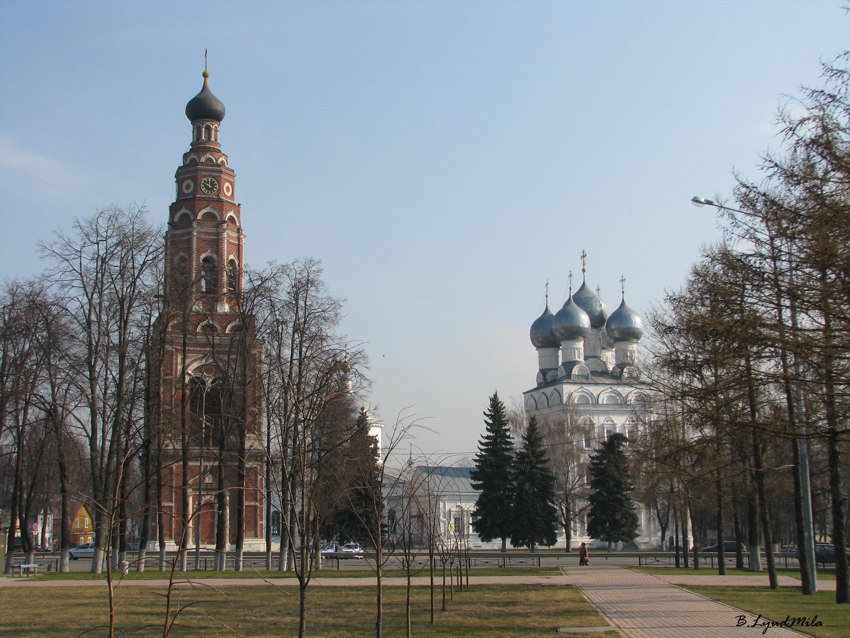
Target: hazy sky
{"type": "Point", "coordinates": [442, 159]}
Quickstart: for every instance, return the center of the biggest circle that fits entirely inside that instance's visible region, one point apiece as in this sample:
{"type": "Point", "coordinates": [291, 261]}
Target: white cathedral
{"type": "Point", "coordinates": [588, 387]}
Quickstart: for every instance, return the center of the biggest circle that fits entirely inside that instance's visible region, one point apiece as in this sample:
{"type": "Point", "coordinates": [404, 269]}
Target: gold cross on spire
{"type": "Point", "coordinates": [623, 286]}
{"type": "Point", "coordinates": [583, 264]}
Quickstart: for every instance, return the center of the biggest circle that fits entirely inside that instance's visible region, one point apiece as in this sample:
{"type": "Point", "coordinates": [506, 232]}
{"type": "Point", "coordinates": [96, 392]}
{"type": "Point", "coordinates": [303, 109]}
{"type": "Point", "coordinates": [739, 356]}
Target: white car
{"type": "Point", "coordinates": [351, 550]}
{"type": "Point", "coordinates": [86, 550]}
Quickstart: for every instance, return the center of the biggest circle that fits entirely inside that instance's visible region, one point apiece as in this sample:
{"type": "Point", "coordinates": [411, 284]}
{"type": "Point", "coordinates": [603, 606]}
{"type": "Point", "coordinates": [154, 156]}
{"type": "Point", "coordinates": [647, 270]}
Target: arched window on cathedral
{"type": "Point", "coordinates": [587, 428]}
{"type": "Point", "coordinates": [209, 275]}
{"type": "Point", "coordinates": [232, 277]}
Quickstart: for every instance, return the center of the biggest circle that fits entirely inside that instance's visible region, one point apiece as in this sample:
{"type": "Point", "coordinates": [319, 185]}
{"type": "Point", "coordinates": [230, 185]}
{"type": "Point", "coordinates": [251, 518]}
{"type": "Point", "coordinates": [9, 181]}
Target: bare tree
{"type": "Point", "coordinates": [28, 434]}
{"type": "Point", "coordinates": [309, 371]}
{"type": "Point", "coordinates": [103, 271]}
{"type": "Point", "coordinates": [380, 483]}
{"type": "Point", "coordinates": [60, 398]}
{"type": "Point", "coordinates": [565, 439]}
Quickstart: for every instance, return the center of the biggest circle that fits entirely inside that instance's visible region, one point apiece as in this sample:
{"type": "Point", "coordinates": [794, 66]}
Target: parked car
{"type": "Point", "coordinates": [86, 550]}
{"type": "Point", "coordinates": [329, 549]}
{"type": "Point", "coordinates": [351, 550]}
{"type": "Point", "coordinates": [729, 547]}
{"type": "Point", "coordinates": [825, 553]}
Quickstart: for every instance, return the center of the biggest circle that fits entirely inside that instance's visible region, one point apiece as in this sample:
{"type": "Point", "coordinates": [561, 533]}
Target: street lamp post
{"type": "Point", "coordinates": [808, 523]}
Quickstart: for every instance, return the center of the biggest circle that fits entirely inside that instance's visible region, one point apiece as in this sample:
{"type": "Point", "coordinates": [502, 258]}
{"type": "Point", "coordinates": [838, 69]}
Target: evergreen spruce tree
{"type": "Point", "coordinates": [612, 515]}
{"type": "Point", "coordinates": [491, 477]}
{"type": "Point", "coordinates": [534, 513]}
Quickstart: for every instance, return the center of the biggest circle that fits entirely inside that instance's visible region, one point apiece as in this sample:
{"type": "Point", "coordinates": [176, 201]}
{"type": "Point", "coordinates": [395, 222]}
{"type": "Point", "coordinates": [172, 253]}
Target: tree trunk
{"type": "Point", "coordinates": [240, 499]}
{"type": "Point", "coordinates": [676, 534]}
{"type": "Point", "coordinates": [736, 522]}
{"type": "Point", "coordinates": [837, 496]}
{"type": "Point", "coordinates": [754, 537]}
{"type": "Point", "coordinates": [221, 531]}
{"type": "Point", "coordinates": [721, 519]}
{"type": "Point", "coordinates": [302, 610]}
{"type": "Point", "coordinates": [431, 566]}
{"type": "Point", "coordinates": [693, 534]}
{"type": "Point", "coordinates": [184, 446]}
{"type": "Point", "coordinates": [160, 522]}
{"type": "Point", "coordinates": [764, 515]}
{"type": "Point", "coordinates": [407, 602]}
{"type": "Point", "coordinates": [663, 521]}
{"type": "Point", "coordinates": [683, 521]}
{"type": "Point", "coordinates": [806, 580]}
{"type": "Point", "coordinates": [759, 472]}
{"type": "Point", "coordinates": [839, 540]}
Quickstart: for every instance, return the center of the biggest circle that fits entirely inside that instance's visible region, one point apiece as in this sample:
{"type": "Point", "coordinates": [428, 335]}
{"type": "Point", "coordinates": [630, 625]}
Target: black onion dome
{"type": "Point", "coordinates": [624, 324]}
{"type": "Point", "coordinates": [205, 105]}
{"type": "Point", "coordinates": [543, 331]}
{"type": "Point", "coordinates": [571, 322]}
{"type": "Point", "coordinates": [590, 302]}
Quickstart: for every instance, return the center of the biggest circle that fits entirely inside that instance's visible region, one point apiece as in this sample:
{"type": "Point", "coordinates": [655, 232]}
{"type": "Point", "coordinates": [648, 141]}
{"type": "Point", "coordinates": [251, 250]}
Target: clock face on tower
{"type": "Point", "coordinates": [209, 185]}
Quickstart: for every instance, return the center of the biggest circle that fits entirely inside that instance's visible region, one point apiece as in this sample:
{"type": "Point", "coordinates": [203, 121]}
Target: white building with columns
{"type": "Point", "coordinates": [587, 388]}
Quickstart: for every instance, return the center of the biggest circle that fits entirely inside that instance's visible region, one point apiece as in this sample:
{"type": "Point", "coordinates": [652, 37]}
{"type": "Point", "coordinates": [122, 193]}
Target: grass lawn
{"type": "Point", "coordinates": [499, 611]}
{"type": "Point", "coordinates": [827, 574]}
{"type": "Point", "coordinates": [777, 604]}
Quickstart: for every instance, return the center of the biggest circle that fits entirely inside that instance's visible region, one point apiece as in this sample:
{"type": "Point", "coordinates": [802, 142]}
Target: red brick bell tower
{"type": "Point", "coordinates": [206, 360]}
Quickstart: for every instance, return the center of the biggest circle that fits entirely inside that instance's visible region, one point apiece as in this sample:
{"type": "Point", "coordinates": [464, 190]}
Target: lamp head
{"type": "Point", "coordinates": [702, 201]}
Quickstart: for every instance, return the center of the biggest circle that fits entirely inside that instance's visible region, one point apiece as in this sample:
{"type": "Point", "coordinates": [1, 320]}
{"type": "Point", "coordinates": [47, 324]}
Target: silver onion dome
{"type": "Point", "coordinates": [571, 322]}
{"type": "Point", "coordinates": [543, 331]}
{"type": "Point", "coordinates": [624, 324]}
{"type": "Point", "coordinates": [590, 302]}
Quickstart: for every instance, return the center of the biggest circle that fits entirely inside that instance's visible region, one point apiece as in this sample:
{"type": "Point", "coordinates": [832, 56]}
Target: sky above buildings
{"type": "Point", "coordinates": [444, 160]}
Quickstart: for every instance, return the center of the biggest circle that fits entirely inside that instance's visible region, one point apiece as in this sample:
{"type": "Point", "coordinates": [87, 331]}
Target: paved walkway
{"type": "Point", "coordinates": [644, 606]}
{"type": "Point", "coordinates": [637, 604]}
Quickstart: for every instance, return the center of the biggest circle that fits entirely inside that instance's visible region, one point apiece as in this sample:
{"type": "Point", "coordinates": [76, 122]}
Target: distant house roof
{"type": "Point", "coordinates": [448, 480]}
{"type": "Point", "coordinates": [447, 471]}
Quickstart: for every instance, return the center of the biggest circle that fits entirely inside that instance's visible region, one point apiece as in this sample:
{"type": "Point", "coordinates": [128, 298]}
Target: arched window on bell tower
{"type": "Point", "coordinates": [209, 275]}
{"type": "Point", "coordinates": [180, 278]}
{"type": "Point", "coordinates": [232, 278]}
{"type": "Point", "coordinates": [205, 406]}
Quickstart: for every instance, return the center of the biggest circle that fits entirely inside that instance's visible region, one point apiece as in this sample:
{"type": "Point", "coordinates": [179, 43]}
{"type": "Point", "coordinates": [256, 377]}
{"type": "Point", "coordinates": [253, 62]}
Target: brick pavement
{"type": "Point", "coordinates": [645, 606]}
